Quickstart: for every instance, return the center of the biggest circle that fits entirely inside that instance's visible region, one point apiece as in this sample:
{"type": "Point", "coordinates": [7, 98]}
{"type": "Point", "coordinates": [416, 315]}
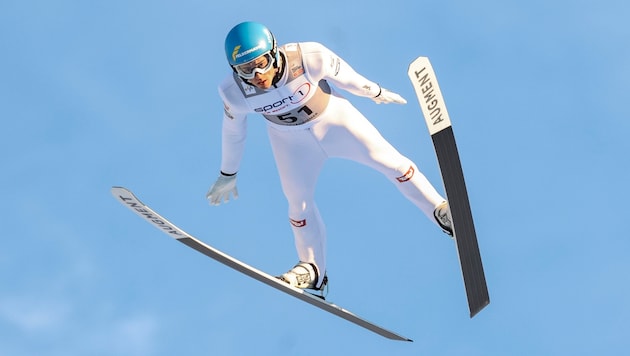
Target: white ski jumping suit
{"type": "Point", "coordinates": [309, 121]}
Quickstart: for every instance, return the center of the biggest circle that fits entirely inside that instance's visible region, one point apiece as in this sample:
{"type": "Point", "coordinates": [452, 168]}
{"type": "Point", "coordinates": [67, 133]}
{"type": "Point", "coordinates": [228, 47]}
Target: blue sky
{"type": "Point", "coordinates": [96, 94]}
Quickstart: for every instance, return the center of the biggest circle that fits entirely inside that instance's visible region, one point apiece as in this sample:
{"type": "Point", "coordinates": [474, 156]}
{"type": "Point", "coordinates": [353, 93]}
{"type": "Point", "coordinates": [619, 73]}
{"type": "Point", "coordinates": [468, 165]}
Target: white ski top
{"type": "Point", "coordinates": [298, 99]}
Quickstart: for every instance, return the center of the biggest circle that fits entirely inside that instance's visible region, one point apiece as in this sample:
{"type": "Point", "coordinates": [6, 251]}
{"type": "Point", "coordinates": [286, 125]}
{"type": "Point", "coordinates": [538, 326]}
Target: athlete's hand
{"type": "Point", "coordinates": [386, 97]}
{"type": "Point", "coordinates": [221, 189]}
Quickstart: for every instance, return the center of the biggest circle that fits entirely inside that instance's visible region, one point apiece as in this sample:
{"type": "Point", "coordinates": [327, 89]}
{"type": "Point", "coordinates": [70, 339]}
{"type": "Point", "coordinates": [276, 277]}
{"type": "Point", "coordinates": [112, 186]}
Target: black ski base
{"type": "Point", "coordinates": [463, 225]}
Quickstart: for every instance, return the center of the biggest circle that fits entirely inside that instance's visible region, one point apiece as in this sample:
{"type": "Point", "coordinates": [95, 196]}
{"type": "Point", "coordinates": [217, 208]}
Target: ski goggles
{"type": "Point", "coordinates": [260, 64]}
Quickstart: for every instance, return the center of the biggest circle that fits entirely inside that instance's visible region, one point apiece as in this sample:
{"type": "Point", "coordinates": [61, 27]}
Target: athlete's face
{"type": "Point", "coordinates": [259, 72]}
{"type": "Point", "coordinates": [264, 80]}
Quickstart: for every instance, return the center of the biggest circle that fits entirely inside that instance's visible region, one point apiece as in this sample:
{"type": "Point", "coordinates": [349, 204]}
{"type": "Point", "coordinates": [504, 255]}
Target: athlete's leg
{"type": "Point", "coordinates": [299, 160]}
{"type": "Point", "coordinates": [350, 135]}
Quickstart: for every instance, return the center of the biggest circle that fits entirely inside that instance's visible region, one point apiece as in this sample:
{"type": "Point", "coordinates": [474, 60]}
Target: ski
{"type": "Point", "coordinates": [425, 84]}
{"type": "Point", "coordinates": [128, 199]}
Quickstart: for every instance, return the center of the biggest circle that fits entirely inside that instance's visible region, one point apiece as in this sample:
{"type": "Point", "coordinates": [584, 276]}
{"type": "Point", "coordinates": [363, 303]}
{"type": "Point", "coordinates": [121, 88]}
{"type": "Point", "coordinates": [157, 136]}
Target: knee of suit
{"type": "Point", "coordinates": [300, 213]}
{"type": "Point", "coordinates": [297, 222]}
{"type": "Point", "coordinates": [405, 172]}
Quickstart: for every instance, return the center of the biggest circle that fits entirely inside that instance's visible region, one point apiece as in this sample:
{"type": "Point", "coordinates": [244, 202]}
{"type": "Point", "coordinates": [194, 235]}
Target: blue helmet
{"type": "Point", "coordinates": [248, 41]}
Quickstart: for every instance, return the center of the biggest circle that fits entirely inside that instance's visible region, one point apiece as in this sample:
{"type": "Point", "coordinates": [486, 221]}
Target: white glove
{"type": "Point", "coordinates": [386, 97]}
{"type": "Point", "coordinates": [221, 189]}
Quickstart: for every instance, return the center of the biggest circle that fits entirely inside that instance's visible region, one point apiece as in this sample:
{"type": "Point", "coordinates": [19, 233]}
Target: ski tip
{"type": "Point", "coordinates": [423, 59]}
{"type": "Point", "coordinates": [118, 190]}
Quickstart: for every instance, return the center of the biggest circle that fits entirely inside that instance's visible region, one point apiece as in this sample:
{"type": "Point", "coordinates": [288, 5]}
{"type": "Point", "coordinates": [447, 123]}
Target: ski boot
{"type": "Point", "coordinates": [305, 276]}
{"type": "Point", "coordinates": [443, 217]}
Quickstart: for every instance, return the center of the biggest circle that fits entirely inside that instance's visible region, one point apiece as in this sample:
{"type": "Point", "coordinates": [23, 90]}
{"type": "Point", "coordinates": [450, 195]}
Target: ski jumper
{"type": "Point", "coordinates": [309, 121]}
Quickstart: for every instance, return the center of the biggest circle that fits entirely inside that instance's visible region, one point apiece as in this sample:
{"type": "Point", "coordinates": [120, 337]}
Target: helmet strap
{"type": "Point", "coordinates": [280, 59]}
